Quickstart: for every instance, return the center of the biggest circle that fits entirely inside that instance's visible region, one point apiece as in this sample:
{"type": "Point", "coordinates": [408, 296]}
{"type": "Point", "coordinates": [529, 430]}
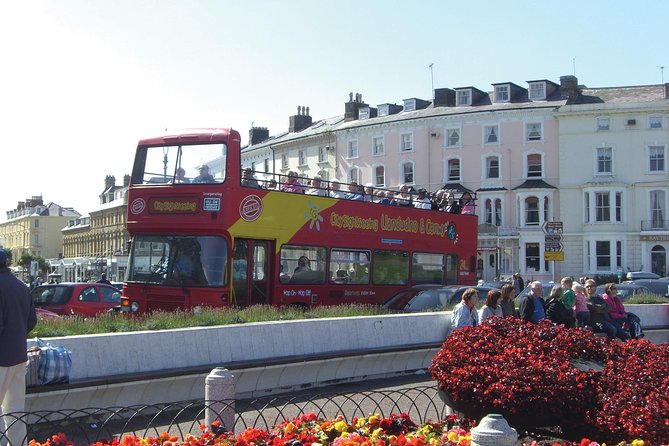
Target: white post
{"type": "Point", "coordinates": [493, 430]}
{"type": "Point", "coordinates": [219, 396]}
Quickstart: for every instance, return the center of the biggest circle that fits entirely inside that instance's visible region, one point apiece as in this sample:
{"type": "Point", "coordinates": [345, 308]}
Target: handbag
{"type": "Point", "coordinates": [54, 363]}
{"type": "Point", "coordinates": [32, 368]}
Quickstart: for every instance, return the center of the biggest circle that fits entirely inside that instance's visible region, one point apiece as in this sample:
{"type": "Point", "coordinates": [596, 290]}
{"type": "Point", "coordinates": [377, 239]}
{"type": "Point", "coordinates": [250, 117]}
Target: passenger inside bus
{"type": "Point", "coordinates": [205, 176]}
{"type": "Point", "coordinates": [302, 265]}
{"type": "Point", "coordinates": [180, 176]}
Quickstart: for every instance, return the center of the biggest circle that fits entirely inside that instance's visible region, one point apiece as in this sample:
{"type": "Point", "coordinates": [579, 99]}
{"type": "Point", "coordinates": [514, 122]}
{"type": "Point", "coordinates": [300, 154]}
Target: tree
{"type": "Point", "coordinates": [27, 258]}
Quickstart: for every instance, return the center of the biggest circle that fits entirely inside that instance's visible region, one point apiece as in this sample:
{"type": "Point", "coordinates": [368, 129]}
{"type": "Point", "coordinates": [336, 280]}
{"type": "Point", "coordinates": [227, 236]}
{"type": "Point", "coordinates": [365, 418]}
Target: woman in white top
{"type": "Point", "coordinates": [492, 306]}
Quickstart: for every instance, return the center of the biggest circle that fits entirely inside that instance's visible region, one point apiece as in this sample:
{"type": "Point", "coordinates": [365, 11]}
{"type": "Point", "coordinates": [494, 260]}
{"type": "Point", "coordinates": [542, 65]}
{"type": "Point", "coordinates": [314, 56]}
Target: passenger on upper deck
{"type": "Point", "coordinates": [271, 185]}
{"type": "Point", "coordinates": [205, 176]}
{"type": "Point", "coordinates": [334, 189]}
{"type": "Point", "coordinates": [292, 184]}
{"type": "Point", "coordinates": [451, 206]}
{"type": "Point", "coordinates": [180, 176]}
{"type": "Point", "coordinates": [248, 179]}
{"type": "Point", "coordinates": [354, 192]}
{"type": "Point", "coordinates": [421, 201]}
{"type": "Point", "coordinates": [369, 192]}
{"type": "Point", "coordinates": [467, 204]}
{"type": "Point", "coordinates": [316, 188]}
{"type": "Point", "coordinates": [404, 197]}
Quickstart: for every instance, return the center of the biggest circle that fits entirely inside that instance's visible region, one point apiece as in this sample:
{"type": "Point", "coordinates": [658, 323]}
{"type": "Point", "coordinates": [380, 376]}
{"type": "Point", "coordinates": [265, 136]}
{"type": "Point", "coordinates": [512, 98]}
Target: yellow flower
{"type": "Point", "coordinates": [452, 436]}
{"type": "Point", "coordinates": [290, 428]}
{"type": "Point", "coordinates": [374, 419]}
{"type": "Point", "coordinates": [638, 442]}
{"type": "Point", "coordinates": [341, 426]}
{"type": "Point", "coordinates": [379, 431]}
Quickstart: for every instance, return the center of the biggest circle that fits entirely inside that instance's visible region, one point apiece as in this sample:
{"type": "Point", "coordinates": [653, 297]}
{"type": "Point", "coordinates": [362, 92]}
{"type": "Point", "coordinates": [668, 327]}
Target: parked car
{"type": "Point", "coordinates": [43, 313]}
{"type": "Point", "coordinates": [429, 297]}
{"type": "Point", "coordinates": [625, 290]}
{"type": "Point", "coordinates": [546, 288]}
{"type": "Point", "coordinates": [656, 286]}
{"type": "Point", "coordinates": [86, 299]}
{"type": "Point", "coordinates": [634, 275]}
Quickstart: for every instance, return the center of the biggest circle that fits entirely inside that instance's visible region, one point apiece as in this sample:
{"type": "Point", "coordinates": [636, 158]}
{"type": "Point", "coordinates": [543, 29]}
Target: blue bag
{"type": "Point", "coordinates": [54, 363]}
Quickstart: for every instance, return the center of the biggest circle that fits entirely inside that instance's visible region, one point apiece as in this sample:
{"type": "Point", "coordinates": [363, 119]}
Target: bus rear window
{"type": "Point", "coordinates": [196, 164]}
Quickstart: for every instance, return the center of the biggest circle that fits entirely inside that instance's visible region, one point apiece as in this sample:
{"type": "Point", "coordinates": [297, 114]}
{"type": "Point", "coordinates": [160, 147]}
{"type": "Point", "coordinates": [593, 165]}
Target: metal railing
{"type": "Point", "coordinates": [89, 425]}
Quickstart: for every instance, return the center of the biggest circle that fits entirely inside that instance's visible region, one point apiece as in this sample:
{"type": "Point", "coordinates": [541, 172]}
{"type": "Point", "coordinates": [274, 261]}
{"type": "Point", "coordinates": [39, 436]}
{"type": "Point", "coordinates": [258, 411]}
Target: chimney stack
{"type": "Point", "coordinates": [126, 180]}
{"type": "Point", "coordinates": [110, 181]}
{"type": "Point", "coordinates": [352, 107]}
{"type": "Point", "coordinates": [258, 135]}
{"type": "Point", "coordinates": [300, 121]}
{"type": "Point", "coordinates": [569, 88]}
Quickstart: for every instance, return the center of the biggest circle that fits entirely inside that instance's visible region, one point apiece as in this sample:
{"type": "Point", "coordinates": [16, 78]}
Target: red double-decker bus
{"type": "Point", "coordinates": [201, 235]}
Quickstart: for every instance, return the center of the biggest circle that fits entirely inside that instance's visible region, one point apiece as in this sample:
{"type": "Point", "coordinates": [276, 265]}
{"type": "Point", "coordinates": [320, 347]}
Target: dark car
{"type": "Point", "coordinates": [656, 286]}
{"type": "Point", "coordinates": [546, 288]}
{"type": "Point", "coordinates": [625, 290]}
{"type": "Point", "coordinates": [86, 299]}
{"type": "Point", "coordinates": [429, 297]}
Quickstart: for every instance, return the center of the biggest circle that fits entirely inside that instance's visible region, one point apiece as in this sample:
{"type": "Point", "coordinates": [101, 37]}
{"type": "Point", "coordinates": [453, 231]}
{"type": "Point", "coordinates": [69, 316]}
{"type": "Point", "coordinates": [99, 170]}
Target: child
{"type": "Point", "coordinates": [581, 306]}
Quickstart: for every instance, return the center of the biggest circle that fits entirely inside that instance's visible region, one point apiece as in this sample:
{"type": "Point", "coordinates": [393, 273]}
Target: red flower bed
{"type": "Point", "coordinates": [526, 372]}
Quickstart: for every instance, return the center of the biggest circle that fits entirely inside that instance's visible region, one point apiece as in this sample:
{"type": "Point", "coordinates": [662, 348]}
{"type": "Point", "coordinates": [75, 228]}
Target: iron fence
{"type": "Point", "coordinates": [89, 425]}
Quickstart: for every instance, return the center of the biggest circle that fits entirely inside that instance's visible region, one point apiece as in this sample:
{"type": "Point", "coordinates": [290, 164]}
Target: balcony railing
{"type": "Point", "coordinates": [655, 225]}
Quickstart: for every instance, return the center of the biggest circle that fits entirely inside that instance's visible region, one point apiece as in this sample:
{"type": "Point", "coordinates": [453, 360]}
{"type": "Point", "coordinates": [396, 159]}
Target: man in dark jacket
{"type": "Point", "coordinates": [17, 319]}
{"type": "Point", "coordinates": [532, 306]}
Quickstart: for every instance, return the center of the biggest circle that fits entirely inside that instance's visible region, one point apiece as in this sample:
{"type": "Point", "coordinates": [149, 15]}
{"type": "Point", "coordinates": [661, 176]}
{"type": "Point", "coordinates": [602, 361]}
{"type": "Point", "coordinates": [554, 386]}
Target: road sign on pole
{"type": "Point", "coordinates": [553, 249]}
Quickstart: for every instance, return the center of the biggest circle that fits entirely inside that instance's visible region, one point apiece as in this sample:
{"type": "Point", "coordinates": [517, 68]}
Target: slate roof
{"type": "Point", "coordinates": [534, 184]}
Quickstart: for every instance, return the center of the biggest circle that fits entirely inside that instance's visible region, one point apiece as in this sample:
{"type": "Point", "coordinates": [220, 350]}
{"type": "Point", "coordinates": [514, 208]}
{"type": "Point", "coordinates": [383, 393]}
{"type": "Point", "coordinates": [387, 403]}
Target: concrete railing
{"type": "Point", "coordinates": [121, 369]}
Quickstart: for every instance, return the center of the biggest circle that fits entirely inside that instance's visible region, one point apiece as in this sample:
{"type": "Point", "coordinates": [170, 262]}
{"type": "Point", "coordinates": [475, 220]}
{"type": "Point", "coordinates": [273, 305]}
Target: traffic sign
{"type": "Point", "coordinates": [550, 238]}
{"type": "Point", "coordinates": [552, 227]}
{"type": "Point", "coordinates": [554, 256]}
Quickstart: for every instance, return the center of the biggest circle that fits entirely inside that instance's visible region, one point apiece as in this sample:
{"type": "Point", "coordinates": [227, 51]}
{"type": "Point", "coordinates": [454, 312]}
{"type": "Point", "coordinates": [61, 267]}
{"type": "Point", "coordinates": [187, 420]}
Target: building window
{"type": "Point", "coordinates": [501, 93]}
{"type": "Point", "coordinates": [452, 137]}
{"type": "Point", "coordinates": [36, 223]}
{"type": "Point", "coordinates": [410, 105]}
{"type": "Point", "coordinates": [656, 159]}
{"type": "Point", "coordinates": [537, 91]}
{"type": "Point", "coordinates": [266, 165]}
{"type": "Point", "coordinates": [532, 257]}
{"type": "Point", "coordinates": [603, 255]}
{"type": "Point", "coordinates": [657, 209]}
{"type": "Point", "coordinates": [352, 149]}
{"type": "Point", "coordinates": [380, 176]}
{"type": "Point", "coordinates": [322, 154]}
{"type": "Point", "coordinates": [406, 142]}
{"type": "Point", "coordinates": [603, 124]}
{"type": "Point", "coordinates": [453, 169]}
{"type": "Point", "coordinates": [534, 165]}
{"type": "Point", "coordinates": [354, 175]}
{"type": "Point", "coordinates": [533, 131]}
{"type": "Point", "coordinates": [487, 215]}
{"type": "Point", "coordinates": [605, 160]}
{"type": "Point", "coordinates": [498, 212]}
{"type": "Point", "coordinates": [284, 161]}
{"type": "Point", "coordinates": [407, 172]}
{"type": "Point", "coordinates": [492, 167]}
{"type": "Point", "coordinates": [532, 211]}
{"type": "Point", "coordinates": [302, 157]}
{"type": "Point", "coordinates": [491, 134]}
{"type": "Point", "coordinates": [377, 146]}
{"type": "Point", "coordinates": [464, 97]}
{"type": "Point", "coordinates": [655, 122]}
{"type": "Point", "coordinates": [602, 207]}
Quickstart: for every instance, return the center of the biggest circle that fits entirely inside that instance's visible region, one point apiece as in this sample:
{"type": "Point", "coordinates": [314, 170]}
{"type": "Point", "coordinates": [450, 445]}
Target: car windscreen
{"type": "Point", "coordinates": [429, 300]}
{"type": "Point", "coordinates": [52, 295]}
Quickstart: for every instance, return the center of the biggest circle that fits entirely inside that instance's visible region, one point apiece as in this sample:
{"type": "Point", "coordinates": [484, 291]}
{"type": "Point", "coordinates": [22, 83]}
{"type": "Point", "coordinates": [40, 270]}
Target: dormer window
{"type": "Point", "coordinates": [384, 110]}
{"type": "Point", "coordinates": [409, 104]}
{"type": "Point", "coordinates": [501, 93]}
{"type": "Point", "coordinates": [363, 113]}
{"type": "Point", "coordinates": [537, 91]}
{"type": "Point", "coordinates": [464, 97]}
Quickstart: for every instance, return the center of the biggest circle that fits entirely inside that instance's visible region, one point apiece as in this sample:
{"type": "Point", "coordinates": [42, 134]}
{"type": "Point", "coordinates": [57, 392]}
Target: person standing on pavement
{"type": "Point", "coordinates": [464, 314]}
{"type": "Point", "coordinates": [103, 279]}
{"type": "Point", "coordinates": [17, 319]}
{"type": "Point", "coordinates": [532, 306]}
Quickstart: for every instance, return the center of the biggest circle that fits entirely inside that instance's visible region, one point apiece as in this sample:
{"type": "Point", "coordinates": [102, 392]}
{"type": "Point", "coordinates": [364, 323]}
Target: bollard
{"type": "Point", "coordinates": [219, 396]}
{"type": "Point", "coordinates": [493, 430]}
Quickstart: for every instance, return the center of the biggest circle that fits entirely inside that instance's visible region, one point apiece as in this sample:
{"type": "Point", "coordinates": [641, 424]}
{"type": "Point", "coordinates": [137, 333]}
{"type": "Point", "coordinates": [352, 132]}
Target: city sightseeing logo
{"type": "Point", "coordinates": [250, 208]}
{"type": "Point", "coordinates": [313, 216]}
{"type": "Point", "coordinates": [138, 205]}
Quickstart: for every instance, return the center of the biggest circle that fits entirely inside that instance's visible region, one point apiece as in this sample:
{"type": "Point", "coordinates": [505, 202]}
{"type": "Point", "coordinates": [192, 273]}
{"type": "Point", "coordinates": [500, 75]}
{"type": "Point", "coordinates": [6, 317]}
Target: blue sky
{"type": "Point", "coordinates": [83, 80]}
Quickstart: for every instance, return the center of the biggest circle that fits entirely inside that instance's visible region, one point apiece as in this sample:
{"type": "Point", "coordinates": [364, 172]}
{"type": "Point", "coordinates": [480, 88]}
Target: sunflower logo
{"type": "Point", "coordinates": [314, 216]}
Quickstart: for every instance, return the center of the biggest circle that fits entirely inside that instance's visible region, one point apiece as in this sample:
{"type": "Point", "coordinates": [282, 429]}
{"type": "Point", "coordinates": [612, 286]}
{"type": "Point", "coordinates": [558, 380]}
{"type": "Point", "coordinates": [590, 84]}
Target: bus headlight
{"type": "Point", "coordinates": [134, 307]}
